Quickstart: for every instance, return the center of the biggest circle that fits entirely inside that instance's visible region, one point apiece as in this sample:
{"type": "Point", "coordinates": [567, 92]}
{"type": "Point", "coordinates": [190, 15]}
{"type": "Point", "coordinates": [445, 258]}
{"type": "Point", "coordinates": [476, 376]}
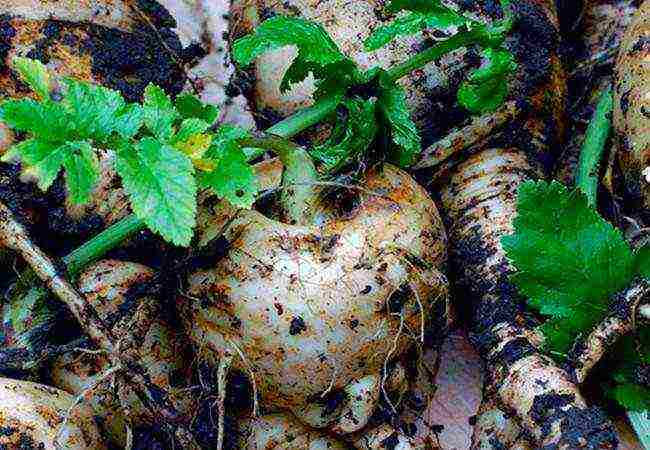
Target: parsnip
{"type": "Point", "coordinates": [309, 311]}
{"type": "Point", "coordinates": [594, 42]}
{"type": "Point", "coordinates": [478, 199]}
{"type": "Point", "coordinates": [118, 291]}
{"type": "Point", "coordinates": [632, 108]}
{"type": "Point", "coordinates": [283, 431]}
{"type": "Point", "coordinates": [37, 416]}
{"type": "Point", "coordinates": [109, 42]}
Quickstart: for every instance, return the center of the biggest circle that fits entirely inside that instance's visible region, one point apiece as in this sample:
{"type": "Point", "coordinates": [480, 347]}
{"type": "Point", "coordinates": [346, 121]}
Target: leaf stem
{"type": "Point", "coordinates": [299, 174]}
{"type": "Point", "coordinates": [101, 243]}
{"type": "Point", "coordinates": [305, 118]}
{"type": "Point", "coordinates": [594, 147]}
{"type": "Point", "coordinates": [459, 40]}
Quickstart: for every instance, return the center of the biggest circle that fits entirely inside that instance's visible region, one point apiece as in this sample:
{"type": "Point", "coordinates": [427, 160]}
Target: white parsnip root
{"type": "Point", "coordinates": [33, 415]}
{"type": "Point", "coordinates": [631, 106]}
{"type": "Point", "coordinates": [494, 426]}
{"type": "Point", "coordinates": [123, 295]}
{"type": "Point", "coordinates": [627, 312]}
{"type": "Point", "coordinates": [14, 236]}
{"type": "Point", "coordinates": [317, 311]}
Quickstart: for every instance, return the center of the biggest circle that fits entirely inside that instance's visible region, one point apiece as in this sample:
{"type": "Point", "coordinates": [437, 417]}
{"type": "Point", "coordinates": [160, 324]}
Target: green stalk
{"type": "Point", "coordinates": [305, 118]}
{"type": "Point", "coordinates": [594, 147]}
{"type": "Point", "coordinates": [475, 36]}
{"type": "Point", "coordinates": [100, 244]}
{"type": "Point", "coordinates": [299, 177]}
{"type": "Point", "coordinates": [587, 181]}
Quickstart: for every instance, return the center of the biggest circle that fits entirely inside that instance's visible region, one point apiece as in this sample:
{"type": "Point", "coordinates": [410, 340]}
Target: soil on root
{"type": "Point", "coordinates": [123, 60]}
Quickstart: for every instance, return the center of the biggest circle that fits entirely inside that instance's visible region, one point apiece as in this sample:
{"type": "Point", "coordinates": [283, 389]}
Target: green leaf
{"type": "Point", "coordinates": [352, 135]}
{"type": "Point", "coordinates": [22, 115]}
{"type": "Point", "coordinates": [317, 52]}
{"type": "Point", "coordinates": [81, 171]}
{"type": "Point", "coordinates": [189, 106]}
{"type": "Point", "coordinates": [569, 261]}
{"type": "Point", "coordinates": [413, 23]}
{"type": "Point", "coordinates": [160, 182]}
{"type": "Point", "coordinates": [486, 88]}
{"type": "Point", "coordinates": [47, 121]}
{"type": "Point", "coordinates": [224, 136]}
{"type": "Point", "coordinates": [35, 74]}
{"type": "Point", "coordinates": [129, 120]}
{"type": "Point", "coordinates": [159, 113]}
{"type": "Point", "coordinates": [422, 6]}
{"type": "Point", "coordinates": [41, 160]}
{"type": "Point", "coordinates": [188, 128]}
{"type": "Point", "coordinates": [193, 141]}
{"type": "Point", "coordinates": [631, 396]}
{"type": "Point", "coordinates": [232, 178]}
{"type": "Point", "coordinates": [403, 25]}
{"type": "Point", "coordinates": [403, 132]}
{"type": "Point", "coordinates": [642, 261]}
{"type": "Point", "coordinates": [93, 109]}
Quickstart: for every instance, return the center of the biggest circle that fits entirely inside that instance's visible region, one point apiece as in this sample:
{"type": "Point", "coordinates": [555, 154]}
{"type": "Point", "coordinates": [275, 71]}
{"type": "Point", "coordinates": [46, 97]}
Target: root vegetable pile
{"type": "Point", "coordinates": [173, 279]}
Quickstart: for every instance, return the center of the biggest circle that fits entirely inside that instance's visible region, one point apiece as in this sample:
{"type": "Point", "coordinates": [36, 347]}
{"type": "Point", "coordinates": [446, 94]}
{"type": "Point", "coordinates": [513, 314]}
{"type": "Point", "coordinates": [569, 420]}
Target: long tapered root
{"type": "Point", "coordinates": [14, 236]}
{"type": "Point", "coordinates": [479, 200]}
{"type": "Point", "coordinates": [495, 428]}
{"type": "Point", "coordinates": [627, 311]}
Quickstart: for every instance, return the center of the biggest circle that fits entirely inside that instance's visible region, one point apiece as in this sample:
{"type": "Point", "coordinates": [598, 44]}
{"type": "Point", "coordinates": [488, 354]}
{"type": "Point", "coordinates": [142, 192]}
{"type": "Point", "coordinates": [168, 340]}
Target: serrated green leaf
{"type": "Point", "coordinates": [232, 178]}
{"type": "Point", "coordinates": [486, 88]}
{"type": "Point", "coordinates": [422, 6]}
{"type": "Point", "coordinates": [224, 135]}
{"type": "Point", "coordinates": [192, 140]}
{"type": "Point", "coordinates": [642, 261]}
{"type": "Point", "coordinates": [81, 171]}
{"type": "Point", "coordinates": [188, 128]}
{"type": "Point", "coordinates": [47, 121]}
{"type": "Point", "coordinates": [160, 182]}
{"type": "Point", "coordinates": [189, 106]}
{"type": "Point", "coordinates": [35, 74]}
{"type": "Point", "coordinates": [423, 14]}
{"type": "Point", "coordinates": [403, 25]}
{"type": "Point", "coordinates": [159, 113]}
{"type": "Point", "coordinates": [129, 121]}
{"type": "Point", "coordinates": [313, 42]}
{"type": "Point", "coordinates": [403, 131]}
{"type": "Point", "coordinates": [569, 261]}
{"type": "Point", "coordinates": [317, 52]}
{"type": "Point", "coordinates": [41, 160]}
{"type": "Point", "coordinates": [22, 115]}
{"type": "Point", "coordinates": [93, 109]}
{"type": "Point", "coordinates": [440, 18]}
{"type": "Point", "coordinates": [351, 137]}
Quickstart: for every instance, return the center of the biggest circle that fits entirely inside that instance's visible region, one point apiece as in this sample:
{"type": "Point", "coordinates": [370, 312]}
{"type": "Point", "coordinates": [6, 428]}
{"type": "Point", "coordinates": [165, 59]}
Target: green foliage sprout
{"type": "Point", "coordinates": [374, 95]}
{"type": "Point", "coordinates": [164, 150]}
{"type": "Point", "coordinates": [570, 262]}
